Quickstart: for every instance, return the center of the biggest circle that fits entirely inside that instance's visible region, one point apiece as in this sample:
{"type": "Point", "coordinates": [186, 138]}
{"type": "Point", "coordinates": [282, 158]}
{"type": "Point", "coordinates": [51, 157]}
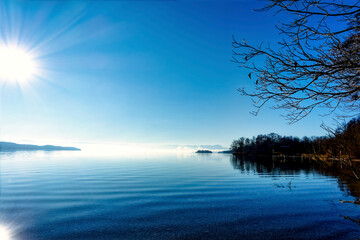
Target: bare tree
{"type": "Point", "coordinates": [317, 63]}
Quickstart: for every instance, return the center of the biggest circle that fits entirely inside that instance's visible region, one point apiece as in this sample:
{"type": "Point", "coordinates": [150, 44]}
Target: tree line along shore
{"type": "Point", "coordinates": [338, 150]}
{"type": "Point", "coordinates": [342, 142]}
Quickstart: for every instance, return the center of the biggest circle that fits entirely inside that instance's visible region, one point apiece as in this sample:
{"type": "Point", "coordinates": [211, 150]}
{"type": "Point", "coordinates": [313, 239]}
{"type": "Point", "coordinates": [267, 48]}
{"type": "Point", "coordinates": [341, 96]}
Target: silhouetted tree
{"type": "Point", "coordinates": [274, 143]}
{"type": "Point", "coordinates": [341, 144]}
{"type": "Point", "coordinates": [317, 63]}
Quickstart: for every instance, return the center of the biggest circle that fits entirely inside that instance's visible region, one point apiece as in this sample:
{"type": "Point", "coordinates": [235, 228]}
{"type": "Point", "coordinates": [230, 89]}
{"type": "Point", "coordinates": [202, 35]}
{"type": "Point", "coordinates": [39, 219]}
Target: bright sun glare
{"type": "Point", "coordinates": [4, 233]}
{"type": "Point", "coordinates": [16, 64]}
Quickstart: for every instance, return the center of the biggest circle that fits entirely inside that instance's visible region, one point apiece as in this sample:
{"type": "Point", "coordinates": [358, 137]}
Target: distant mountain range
{"type": "Point", "coordinates": [12, 147]}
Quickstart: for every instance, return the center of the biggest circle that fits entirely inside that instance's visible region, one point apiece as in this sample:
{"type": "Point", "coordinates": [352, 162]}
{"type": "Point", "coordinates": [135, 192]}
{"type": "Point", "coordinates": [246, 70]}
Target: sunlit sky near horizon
{"type": "Point", "coordinates": [142, 72]}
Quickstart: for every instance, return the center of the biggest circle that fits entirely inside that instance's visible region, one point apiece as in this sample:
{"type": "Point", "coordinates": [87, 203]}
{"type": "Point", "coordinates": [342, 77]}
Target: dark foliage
{"type": "Point", "coordinates": [344, 140]}
{"type": "Point", "coordinates": [273, 143]}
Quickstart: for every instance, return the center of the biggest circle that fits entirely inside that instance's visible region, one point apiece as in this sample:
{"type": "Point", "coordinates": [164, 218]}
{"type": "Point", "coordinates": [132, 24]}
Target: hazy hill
{"type": "Point", "coordinates": [10, 147]}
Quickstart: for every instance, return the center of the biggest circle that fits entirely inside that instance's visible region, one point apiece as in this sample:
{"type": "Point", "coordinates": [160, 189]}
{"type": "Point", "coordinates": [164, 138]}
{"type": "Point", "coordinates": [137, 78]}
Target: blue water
{"type": "Point", "coordinates": [210, 196]}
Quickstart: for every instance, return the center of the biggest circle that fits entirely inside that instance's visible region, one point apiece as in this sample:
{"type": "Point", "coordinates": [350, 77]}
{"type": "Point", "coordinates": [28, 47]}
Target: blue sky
{"type": "Point", "coordinates": [147, 72]}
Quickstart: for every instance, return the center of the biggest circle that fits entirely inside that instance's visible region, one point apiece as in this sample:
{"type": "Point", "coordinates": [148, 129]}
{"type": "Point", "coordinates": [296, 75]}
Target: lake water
{"type": "Point", "coordinates": [204, 196]}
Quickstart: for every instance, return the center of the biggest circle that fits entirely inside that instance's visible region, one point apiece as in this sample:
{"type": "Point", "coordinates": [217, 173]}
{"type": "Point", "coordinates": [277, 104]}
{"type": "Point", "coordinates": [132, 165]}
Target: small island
{"type": "Point", "coordinates": [203, 151]}
{"type": "Point", "coordinates": [12, 147]}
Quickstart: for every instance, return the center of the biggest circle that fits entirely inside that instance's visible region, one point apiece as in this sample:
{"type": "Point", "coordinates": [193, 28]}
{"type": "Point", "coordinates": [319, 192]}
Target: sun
{"type": "Point", "coordinates": [16, 64]}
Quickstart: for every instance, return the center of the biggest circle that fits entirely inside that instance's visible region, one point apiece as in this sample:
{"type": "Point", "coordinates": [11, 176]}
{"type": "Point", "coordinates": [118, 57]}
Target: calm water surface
{"type": "Point", "coordinates": [206, 196]}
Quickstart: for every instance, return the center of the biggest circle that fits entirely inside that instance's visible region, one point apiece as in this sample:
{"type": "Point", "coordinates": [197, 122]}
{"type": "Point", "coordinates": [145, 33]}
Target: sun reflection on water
{"type": "Point", "coordinates": [4, 233]}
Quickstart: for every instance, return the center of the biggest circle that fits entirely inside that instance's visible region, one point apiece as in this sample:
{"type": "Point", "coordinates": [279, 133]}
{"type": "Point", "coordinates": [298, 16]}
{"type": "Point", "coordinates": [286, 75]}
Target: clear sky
{"type": "Point", "coordinates": [147, 72]}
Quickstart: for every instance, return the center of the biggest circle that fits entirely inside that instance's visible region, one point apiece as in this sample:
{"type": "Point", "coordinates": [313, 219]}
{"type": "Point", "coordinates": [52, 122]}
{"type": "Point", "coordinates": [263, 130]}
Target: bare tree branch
{"type": "Point", "coordinates": [314, 65]}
